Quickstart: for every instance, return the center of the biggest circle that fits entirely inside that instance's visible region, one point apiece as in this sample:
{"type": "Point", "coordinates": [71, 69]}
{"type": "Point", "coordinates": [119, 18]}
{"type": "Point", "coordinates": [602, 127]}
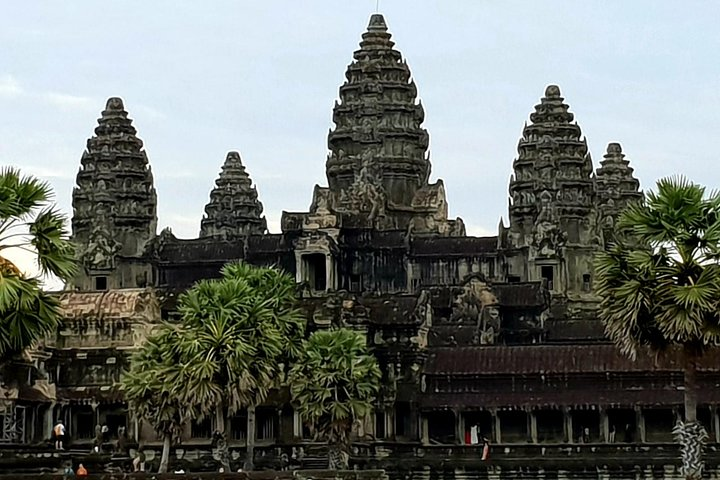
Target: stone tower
{"type": "Point", "coordinates": [234, 209]}
{"type": "Point", "coordinates": [616, 187]}
{"type": "Point", "coordinates": [553, 230]}
{"type": "Point", "coordinates": [378, 166]}
{"type": "Point", "coordinates": [114, 205]}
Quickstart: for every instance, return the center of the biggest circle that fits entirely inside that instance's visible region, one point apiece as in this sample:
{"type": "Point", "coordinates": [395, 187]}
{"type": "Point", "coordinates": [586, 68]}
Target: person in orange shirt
{"type": "Point", "coordinates": [81, 471]}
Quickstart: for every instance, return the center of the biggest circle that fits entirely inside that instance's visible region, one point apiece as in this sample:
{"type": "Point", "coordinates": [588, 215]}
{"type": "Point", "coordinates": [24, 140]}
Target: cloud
{"type": "Point", "coordinates": [9, 86]}
{"type": "Point", "coordinates": [46, 172]}
{"type": "Point", "coordinates": [68, 102]}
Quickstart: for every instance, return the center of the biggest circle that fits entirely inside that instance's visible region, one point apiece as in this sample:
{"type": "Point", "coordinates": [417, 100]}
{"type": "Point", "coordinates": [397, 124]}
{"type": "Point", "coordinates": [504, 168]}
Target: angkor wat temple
{"type": "Point", "coordinates": [492, 337]}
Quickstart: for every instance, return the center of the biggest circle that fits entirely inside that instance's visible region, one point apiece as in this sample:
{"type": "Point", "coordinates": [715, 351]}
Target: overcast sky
{"type": "Point", "coordinates": [201, 78]}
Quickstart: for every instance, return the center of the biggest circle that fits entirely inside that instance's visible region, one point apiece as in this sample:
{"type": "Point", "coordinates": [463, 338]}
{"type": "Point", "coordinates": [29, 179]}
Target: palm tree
{"type": "Point", "coordinates": [334, 383]}
{"type": "Point", "coordinates": [29, 222]}
{"type": "Point", "coordinates": [236, 336]}
{"type": "Point", "coordinates": [148, 388]}
{"type": "Point", "coordinates": [660, 288]}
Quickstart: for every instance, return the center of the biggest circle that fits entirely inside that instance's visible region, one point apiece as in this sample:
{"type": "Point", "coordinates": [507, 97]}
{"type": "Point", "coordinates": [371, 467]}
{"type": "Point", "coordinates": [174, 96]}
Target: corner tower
{"type": "Point", "coordinates": [617, 187]}
{"type": "Point", "coordinates": [234, 209]}
{"type": "Point", "coordinates": [553, 230]}
{"type": "Point", "coordinates": [114, 205]}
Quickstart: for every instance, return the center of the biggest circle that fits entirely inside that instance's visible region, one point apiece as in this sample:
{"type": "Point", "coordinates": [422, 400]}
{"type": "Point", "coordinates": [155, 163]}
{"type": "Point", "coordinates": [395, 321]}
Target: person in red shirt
{"type": "Point", "coordinates": [81, 471]}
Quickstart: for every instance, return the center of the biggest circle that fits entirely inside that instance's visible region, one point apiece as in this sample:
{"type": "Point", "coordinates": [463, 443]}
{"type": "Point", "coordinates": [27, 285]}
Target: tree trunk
{"type": "Point", "coordinates": [690, 380]}
{"type": "Point", "coordinates": [165, 458]}
{"type": "Point", "coordinates": [223, 452]}
{"type": "Point", "coordinates": [690, 434]}
{"type": "Point", "coordinates": [250, 456]}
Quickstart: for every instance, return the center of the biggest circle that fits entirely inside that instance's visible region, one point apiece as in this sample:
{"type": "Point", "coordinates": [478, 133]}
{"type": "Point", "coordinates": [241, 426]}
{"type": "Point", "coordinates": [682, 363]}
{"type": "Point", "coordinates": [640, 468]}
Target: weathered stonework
{"type": "Point", "coordinates": [492, 337]}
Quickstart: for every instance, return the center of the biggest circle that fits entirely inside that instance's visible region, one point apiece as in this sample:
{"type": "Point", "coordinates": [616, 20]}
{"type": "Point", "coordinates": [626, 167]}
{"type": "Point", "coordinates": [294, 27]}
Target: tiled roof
{"type": "Point", "coordinates": [528, 359]}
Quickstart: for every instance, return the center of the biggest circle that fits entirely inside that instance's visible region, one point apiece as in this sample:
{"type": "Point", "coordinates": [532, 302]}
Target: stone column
{"type": "Point", "coordinates": [48, 421]}
{"type": "Point", "coordinates": [297, 425]}
{"type": "Point", "coordinates": [390, 423]}
{"type": "Point", "coordinates": [280, 434]}
{"type": "Point", "coordinates": [424, 430]}
{"type": "Point", "coordinates": [604, 425]}
{"type": "Point", "coordinates": [639, 425]}
{"type": "Point", "coordinates": [532, 425]}
{"type": "Point", "coordinates": [329, 273]}
{"type": "Point", "coordinates": [716, 422]}
{"type": "Point", "coordinates": [567, 416]}
{"type": "Point", "coordinates": [459, 427]}
{"type": "Point", "coordinates": [496, 431]}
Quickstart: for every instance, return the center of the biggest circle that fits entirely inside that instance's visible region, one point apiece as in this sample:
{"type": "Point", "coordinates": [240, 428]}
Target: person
{"type": "Point", "coordinates": [139, 461]}
{"type": "Point", "coordinates": [486, 449]}
{"type": "Point", "coordinates": [68, 473]}
{"type": "Point", "coordinates": [105, 433]}
{"type": "Point", "coordinates": [59, 432]}
{"type": "Point", "coordinates": [81, 471]}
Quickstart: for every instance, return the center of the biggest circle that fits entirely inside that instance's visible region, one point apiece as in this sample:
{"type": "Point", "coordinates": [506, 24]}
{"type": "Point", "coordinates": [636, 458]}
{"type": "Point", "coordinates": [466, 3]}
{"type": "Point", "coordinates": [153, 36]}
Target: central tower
{"type": "Point", "coordinates": [378, 132]}
{"type": "Point", "coordinates": [378, 165]}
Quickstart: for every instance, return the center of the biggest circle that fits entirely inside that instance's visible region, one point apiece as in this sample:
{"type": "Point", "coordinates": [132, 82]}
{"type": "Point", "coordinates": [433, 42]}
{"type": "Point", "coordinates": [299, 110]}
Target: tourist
{"type": "Point", "coordinates": [486, 449]}
{"type": "Point", "coordinates": [68, 473]}
{"type": "Point", "coordinates": [105, 433]}
{"type": "Point", "coordinates": [139, 461]}
{"type": "Point", "coordinates": [82, 471]}
{"type": "Point", "coordinates": [59, 432]}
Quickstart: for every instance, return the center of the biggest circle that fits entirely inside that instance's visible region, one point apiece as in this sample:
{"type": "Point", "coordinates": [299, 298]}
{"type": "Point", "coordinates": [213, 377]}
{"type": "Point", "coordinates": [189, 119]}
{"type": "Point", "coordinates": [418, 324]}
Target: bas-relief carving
{"type": "Point", "coordinates": [101, 250]}
{"type": "Point", "coordinates": [476, 304]}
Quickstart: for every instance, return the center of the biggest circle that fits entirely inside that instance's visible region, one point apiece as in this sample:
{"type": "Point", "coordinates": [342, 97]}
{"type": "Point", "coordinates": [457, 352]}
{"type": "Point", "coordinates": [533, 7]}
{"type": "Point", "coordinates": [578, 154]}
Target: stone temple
{"type": "Point", "coordinates": [492, 337]}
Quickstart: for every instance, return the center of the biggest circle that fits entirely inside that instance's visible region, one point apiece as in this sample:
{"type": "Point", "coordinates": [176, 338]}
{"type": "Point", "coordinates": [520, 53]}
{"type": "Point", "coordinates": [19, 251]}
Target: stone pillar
{"type": "Point", "coordinates": [568, 425]}
{"type": "Point", "coordinates": [280, 434]}
{"type": "Point", "coordinates": [496, 431]}
{"type": "Point", "coordinates": [459, 427]}
{"type": "Point", "coordinates": [48, 421]}
{"type": "Point", "coordinates": [297, 425]}
{"type": "Point", "coordinates": [639, 425]}
{"type": "Point", "coordinates": [532, 425]}
{"type": "Point", "coordinates": [604, 426]}
{"type": "Point", "coordinates": [716, 422]}
{"type": "Point", "coordinates": [390, 423]}
{"type": "Point", "coordinates": [424, 430]}
{"type": "Point", "coordinates": [329, 273]}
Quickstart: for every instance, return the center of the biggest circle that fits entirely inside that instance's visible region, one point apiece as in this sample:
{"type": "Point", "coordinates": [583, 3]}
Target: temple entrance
{"type": "Point", "coordinates": [659, 423]}
{"type": "Point", "coordinates": [586, 426]}
{"type": "Point", "coordinates": [622, 424]}
{"type": "Point", "coordinates": [441, 427]}
{"type": "Point", "coordinates": [513, 426]}
{"type": "Point", "coordinates": [478, 425]}
{"type": "Point", "coordinates": [403, 420]}
{"type": "Point", "coordinates": [84, 421]}
{"type": "Point", "coordinates": [550, 426]}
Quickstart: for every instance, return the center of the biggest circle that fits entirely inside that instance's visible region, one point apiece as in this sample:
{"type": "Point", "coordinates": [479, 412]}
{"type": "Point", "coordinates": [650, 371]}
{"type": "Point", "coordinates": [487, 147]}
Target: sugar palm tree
{"type": "Point", "coordinates": [660, 288]}
{"type": "Point", "coordinates": [334, 383]}
{"type": "Point", "coordinates": [237, 334]}
{"type": "Point", "coordinates": [29, 222]}
{"type": "Point", "coordinates": [148, 388]}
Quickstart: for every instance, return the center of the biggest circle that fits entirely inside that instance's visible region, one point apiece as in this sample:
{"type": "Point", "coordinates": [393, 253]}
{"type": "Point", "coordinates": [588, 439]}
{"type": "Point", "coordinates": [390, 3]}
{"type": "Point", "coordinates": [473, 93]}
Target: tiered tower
{"type": "Point", "coordinates": [553, 222]}
{"type": "Point", "coordinates": [114, 205]}
{"type": "Point", "coordinates": [378, 167]}
{"type": "Point", "coordinates": [234, 209]}
{"type": "Point", "coordinates": [616, 187]}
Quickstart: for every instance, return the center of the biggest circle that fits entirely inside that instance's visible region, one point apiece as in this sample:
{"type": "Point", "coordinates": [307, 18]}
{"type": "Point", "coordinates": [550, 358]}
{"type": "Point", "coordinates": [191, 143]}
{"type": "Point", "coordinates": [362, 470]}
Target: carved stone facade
{"type": "Point", "coordinates": [114, 205]}
{"type": "Point", "coordinates": [234, 209]}
{"type": "Point", "coordinates": [477, 337]}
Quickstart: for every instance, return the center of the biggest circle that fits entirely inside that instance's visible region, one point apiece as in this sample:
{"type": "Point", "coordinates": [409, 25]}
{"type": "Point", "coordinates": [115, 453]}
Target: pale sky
{"type": "Point", "coordinates": [201, 78]}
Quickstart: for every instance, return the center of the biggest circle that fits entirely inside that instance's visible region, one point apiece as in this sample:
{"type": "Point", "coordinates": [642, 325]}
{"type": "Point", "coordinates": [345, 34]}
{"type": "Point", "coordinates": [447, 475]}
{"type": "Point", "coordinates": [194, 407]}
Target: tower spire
{"type": "Point", "coordinates": [234, 209]}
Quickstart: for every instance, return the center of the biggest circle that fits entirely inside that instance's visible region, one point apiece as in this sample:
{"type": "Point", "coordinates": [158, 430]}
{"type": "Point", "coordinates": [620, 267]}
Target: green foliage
{"type": "Point", "coordinates": [334, 382]}
{"type": "Point", "coordinates": [660, 281]}
{"type": "Point", "coordinates": [229, 349]}
{"type": "Point", "coordinates": [148, 386]}
{"type": "Point", "coordinates": [29, 222]}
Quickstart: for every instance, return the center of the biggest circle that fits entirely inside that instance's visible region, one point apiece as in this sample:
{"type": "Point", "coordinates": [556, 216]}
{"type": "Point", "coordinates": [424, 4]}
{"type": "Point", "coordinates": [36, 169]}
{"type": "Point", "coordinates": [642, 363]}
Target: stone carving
{"type": "Point", "coordinates": [234, 209]}
{"type": "Point", "coordinates": [477, 304]}
{"type": "Point", "coordinates": [101, 250]}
